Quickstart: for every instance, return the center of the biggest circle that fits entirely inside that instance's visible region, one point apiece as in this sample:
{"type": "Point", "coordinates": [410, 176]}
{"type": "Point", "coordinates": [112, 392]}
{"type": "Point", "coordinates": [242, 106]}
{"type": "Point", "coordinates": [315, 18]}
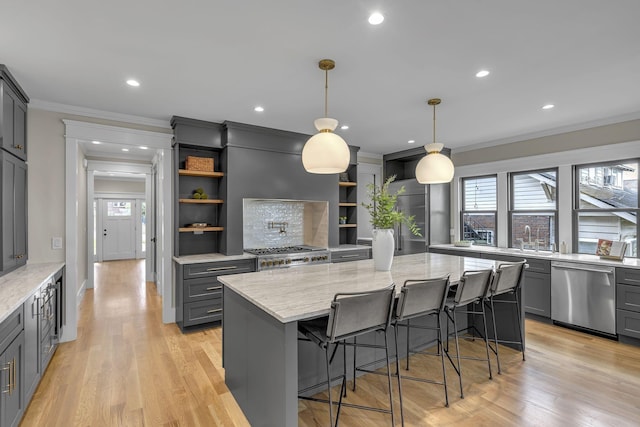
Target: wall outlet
{"type": "Point", "coordinates": [56, 243]}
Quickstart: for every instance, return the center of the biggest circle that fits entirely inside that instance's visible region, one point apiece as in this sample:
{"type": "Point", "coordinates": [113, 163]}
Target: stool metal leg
{"type": "Point", "coordinates": [408, 340]}
{"type": "Point", "coordinates": [326, 349]}
{"type": "Point", "coordinates": [486, 338]}
{"type": "Point", "coordinates": [355, 347]}
{"type": "Point", "coordinates": [444, 371]}
{"type": "Point", "coordinates": [495, 334]}
{"type": "Point", "coordinates": [395, 331]}
{"type": "Point", "coordinates": [386, 351]}
{"type": "Point", "coordinates": [519, 324]}
{"type": "Point", "coordinates": [455, 332]}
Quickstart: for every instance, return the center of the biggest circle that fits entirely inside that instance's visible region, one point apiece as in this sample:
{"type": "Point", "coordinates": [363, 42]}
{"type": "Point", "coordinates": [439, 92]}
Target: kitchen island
{"type": "Point", "coordinates": [263, 368]}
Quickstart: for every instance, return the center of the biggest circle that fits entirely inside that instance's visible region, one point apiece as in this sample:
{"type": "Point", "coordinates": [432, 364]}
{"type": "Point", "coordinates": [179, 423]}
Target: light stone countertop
{"type": "Point", "coordinates": [551, 256]}
{"type": "Point", "coordinates": [16, 287]}
{"type": "Point", "coordinates": [212, 257]}
{"type": "Point", "coordinates": [305, 292]}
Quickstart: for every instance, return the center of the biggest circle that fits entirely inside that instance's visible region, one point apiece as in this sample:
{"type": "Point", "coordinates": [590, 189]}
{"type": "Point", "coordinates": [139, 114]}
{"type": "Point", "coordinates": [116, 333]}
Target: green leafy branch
{"type": "Point", "coordinates": [382, 208]}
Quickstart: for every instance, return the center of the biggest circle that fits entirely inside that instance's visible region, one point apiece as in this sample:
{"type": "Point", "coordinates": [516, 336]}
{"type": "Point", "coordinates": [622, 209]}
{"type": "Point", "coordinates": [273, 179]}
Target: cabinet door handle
{"type": "Point", "coordinates": [14, 375]}
{"type": "Point", "coordinates": [18, 147]}
{"type": "Point", "coordinates": [7, 367]}
{"type": "Point", "coordinates": [349, 256]}
{"type": "Point", "coordinates": [233, 267]}
{"type": "Point", "coordinates": [217, 310]}
{"type": "Point", "coordinates": [214, 288]}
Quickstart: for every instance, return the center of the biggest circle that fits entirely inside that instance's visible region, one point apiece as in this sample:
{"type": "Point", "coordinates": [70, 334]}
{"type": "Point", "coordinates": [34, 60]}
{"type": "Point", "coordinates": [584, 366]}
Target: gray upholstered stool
{"type": "Point", "coordinates": [352, 315]}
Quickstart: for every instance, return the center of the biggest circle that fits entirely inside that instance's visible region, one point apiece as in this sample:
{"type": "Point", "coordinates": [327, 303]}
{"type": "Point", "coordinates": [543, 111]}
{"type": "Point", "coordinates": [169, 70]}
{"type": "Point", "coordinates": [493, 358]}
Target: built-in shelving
{"type": "Point", "coordinates": [348, 206]}
{"type": "Point", "coordinates": [186, 172]}
{"type": "Point", "coordinates": [196, 229]}
{"type": "Point", "coordinates": [203, 201]}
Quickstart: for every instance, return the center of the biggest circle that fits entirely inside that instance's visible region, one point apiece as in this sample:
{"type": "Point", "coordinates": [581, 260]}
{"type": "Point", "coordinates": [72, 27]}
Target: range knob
{"type": "Point", "coordinates": [263, 263]}
{"type": "Point", "coordinates": [314, 258]}
{"type": "Point", "coordinates": [281, 262]}
{"type": "Point", "coordinates": [306, 259]}
{"type": "Point", "coordinates": [288, 261]}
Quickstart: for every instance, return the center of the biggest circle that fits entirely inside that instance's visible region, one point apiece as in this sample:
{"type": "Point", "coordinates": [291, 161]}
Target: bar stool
{"type": "Point", "coordinates": [419, 298]}
{"type": "Point", "coordinates": [352, 314]}
{"type": "Point", "coordinates": [472, 289]}
{"type": "Point", "coordinates": [507, 281]}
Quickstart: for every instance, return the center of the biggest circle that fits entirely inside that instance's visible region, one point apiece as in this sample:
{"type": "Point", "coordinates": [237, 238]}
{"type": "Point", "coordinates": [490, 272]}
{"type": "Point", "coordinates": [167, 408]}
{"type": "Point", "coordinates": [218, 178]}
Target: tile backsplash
{"type": "Point", "coordinates": [269, 223]}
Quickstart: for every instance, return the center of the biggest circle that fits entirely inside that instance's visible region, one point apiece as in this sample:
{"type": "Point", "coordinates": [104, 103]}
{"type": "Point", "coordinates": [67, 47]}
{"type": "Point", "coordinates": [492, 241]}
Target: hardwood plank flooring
{"type": "Point", "coordinates": [128, 369]}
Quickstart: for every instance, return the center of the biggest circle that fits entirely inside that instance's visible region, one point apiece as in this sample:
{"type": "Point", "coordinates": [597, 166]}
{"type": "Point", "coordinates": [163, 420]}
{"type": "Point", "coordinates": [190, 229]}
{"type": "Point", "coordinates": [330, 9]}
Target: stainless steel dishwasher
{"type": "Point", "coordinates": [584, 295]}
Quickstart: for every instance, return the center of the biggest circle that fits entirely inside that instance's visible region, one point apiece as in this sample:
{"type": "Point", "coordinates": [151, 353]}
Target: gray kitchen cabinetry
{"type": "Point", "coordinates": [197, 139]}
{"type": "Point", "coordinates": [32, 367]}
{"type": "Point", "coordinates": [455, 252]}
{"type": "Point", "coordinates": [537, 283]}
{"type": "Point", "coordinates": [199, 293]}
{"type": "Point", "coordinates": [13, 115]}
{"type": "Point", "coordinates": [14, 211]}
{"type": "Point", "coordinates": [12, 344]}
{"type": "Point", "coordinates": [347, 255]}
{"type": "Point", "coordinates": [628, 302]}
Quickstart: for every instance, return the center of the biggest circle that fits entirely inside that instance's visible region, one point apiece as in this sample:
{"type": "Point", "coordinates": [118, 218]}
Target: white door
{"type": "Point", "coordinates": [118, 229]}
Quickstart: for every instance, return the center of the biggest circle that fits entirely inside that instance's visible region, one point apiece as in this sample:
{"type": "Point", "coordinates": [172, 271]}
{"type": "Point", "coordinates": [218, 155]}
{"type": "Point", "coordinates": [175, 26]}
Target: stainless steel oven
{"type": "Point", "coordinates": [289, 256]}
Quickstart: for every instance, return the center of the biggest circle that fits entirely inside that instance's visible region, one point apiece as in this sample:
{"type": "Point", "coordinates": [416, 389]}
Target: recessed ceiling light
{"type": "Point", "coordinates": [411, 141]}
{"type": "Point", "coordinates": [132, 82]}
{"type": "Point", "coordinates": [548, 106]}
{"type": "Point", "coordinates": [125, 149]}
{"type": "Point", "coordinates": [376, 18]}
{"type": "Point", "coordinates": [96, 142]}
{"type": "Point", "coordinates": [144, 148]}
{"type": "Point", "coordinates": [344, 127]}
{"type": "Point", "coordinates": [482, 73]}
{"type": "Point", "coordinates": [259, 109]}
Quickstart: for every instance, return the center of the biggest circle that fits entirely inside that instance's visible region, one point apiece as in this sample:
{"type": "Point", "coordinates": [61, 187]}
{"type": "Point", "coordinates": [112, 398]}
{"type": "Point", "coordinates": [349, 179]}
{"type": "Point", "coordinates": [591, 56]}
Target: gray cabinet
{"type": "Point", "coordinates": [12, 344]}
{"type": "Point", "coordinates": [31, 363]}
{"type": "Point", "coordinates": [537, 283]}
{"type": "Point", "coordinates": [628, 302]}
{"type": "Point", "coordinates": [14, 211]}
{"type": "Point", "coordinates": [11, 380]}
{"type": "Point", "coordinates": [350, 255]}
{"type": "Point", "coordinates": [13, 115]}
{"type": "Point", "coordinates": [199, 293]}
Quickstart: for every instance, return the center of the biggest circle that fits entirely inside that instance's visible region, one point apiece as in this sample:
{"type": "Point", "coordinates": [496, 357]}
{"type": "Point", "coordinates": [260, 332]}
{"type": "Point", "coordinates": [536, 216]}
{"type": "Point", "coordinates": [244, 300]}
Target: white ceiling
{"type": "Point", "coordinates": [216, 60]}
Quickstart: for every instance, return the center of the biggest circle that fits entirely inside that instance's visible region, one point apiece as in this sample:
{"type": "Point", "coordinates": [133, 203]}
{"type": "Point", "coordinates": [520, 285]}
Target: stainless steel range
{"type": "Point", "coordinates": [289, 256]}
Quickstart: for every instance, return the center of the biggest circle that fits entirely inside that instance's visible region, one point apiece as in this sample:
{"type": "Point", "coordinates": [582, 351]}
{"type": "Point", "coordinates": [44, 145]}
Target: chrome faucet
{"type": "Point", "coordinates": [527, 230]}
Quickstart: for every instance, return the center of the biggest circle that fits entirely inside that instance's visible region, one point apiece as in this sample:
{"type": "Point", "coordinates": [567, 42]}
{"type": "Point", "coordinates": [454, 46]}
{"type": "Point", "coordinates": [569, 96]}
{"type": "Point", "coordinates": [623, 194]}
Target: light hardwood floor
{"type": "Point", "coordinates": [128, 369]}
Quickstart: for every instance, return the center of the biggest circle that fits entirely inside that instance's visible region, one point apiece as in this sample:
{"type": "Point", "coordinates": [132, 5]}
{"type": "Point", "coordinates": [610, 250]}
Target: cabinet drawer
{"type": "Point", "coordinates": [628, 297]}
{"type": "Point", "coordinates": [628, 276]}
{"type": "Point", "coordinates": [219, 268]}
{"type": "Point", "coordinates": [539, 265]}
{"type": "Point", "coordinates": [350, 255]}
{"type": "Point", "coordinates": [628, 323]}
{"type": "Point", "coordinates": [455, 252]}
{"type": "Point", "coordinates": [205, 311]}
{"type": "Point", "coordinates": [203, 288]}
{"type": "Point", "coordinates": [11, 327]}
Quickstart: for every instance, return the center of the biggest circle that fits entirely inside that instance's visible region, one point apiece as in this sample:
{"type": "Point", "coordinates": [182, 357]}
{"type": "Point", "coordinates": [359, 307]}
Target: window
{"type": "Point", "coordinates": [479, 205]}
{"type": "Point", "coordinates": [533, 209]}
{"type": "Point", "coordinates": [606, 205]}
{"type": "Point", "coordinates": [118, 208]}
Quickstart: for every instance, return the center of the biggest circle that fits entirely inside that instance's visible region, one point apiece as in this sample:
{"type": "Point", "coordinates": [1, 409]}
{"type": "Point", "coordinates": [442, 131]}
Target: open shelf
{"type": "Point", "coordinates": [192, 229]}
{"type": "Point", "coordinates": [203, 201]}
{"type": "Point", "coordinates": [186, 172]}
{"type": "Point", "coordinates": [347, 225]}
{"type": "Point", "coordinates": [348, 204]}
{"type": "Point", "coordinates": [347, 184]}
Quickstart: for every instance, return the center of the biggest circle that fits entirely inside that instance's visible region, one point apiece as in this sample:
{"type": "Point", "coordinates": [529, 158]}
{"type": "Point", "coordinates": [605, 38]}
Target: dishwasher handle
{"type": "Point", "coordinates": [580, 267]}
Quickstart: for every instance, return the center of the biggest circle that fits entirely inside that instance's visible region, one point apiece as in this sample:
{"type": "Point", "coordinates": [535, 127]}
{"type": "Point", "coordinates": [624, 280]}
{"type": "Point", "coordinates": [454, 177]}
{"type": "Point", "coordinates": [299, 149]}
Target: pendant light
{"type": "Point", "coordinates": [326, 152]}
{"type": "Point", "coordinates": [435, 167]}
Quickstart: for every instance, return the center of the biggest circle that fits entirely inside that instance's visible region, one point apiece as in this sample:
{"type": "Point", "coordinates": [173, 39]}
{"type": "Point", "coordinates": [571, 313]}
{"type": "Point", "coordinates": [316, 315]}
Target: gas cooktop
{"type": "Point", "coordinates": [283, 250]}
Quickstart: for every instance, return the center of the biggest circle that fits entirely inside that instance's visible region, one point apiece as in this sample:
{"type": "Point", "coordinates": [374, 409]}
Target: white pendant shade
{"type": "Point", "coordinates": [325, 152]}
{"type": "Point", "coordinates": [435, 167]}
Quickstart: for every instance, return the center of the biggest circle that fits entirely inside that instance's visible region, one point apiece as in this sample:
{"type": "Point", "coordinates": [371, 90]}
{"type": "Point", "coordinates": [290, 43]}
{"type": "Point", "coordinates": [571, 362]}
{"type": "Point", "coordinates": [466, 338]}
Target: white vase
{"type": "Point", "coordinates": [383, 246]}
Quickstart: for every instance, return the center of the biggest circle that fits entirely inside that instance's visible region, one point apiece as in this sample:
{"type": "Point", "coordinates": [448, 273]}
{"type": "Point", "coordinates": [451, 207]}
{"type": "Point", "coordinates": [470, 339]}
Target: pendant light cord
{"type": "Point", "coordinates": [434, 123]}
{"type": "Point", "coordinates": [326, 93]}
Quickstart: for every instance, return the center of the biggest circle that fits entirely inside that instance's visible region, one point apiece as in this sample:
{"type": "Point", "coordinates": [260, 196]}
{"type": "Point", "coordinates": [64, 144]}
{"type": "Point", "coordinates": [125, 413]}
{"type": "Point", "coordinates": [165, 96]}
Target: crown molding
{"type": "Point", "coordinates": [97, 114]}
{"type": "Point", "coordinates": [550, 132]}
